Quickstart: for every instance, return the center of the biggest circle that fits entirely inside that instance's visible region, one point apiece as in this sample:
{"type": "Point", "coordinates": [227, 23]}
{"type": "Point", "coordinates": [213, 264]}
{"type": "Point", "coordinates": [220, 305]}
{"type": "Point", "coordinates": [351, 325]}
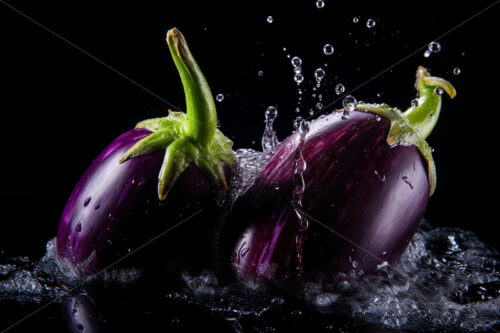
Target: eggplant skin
{"type": "Point", "coordinates": [356, 184]}
{"type": "Point", "coordinates": [114, 207]}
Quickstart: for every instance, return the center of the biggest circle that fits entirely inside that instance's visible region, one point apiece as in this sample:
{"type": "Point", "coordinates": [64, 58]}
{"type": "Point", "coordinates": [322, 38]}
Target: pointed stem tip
{"type": "Point", "coordinates": [424, 112]}
{"type": "Point", "coordinates": [200, 105]}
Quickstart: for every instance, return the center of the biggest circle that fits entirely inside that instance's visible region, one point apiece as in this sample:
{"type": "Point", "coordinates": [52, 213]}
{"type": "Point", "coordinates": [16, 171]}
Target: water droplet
{"type": "Point", "coordinates": [438, 91]}
{"type": "Point", "coordinates": [355, 264]}
{"type": "Point", "coordinates": [319, 106]}
{"type": "Point", "coordinates": [349, 103]}
{"type": "Point", "coordinates": [271, 113]}
{"type": "Point", "coordinates": [269, 19]}
{"type": "Point", "coordinates": [355, 19]}
{"type": "Point", "coordinates": [457, 71]}
{"type": "Point", "coordinates": [87, 201]}
{"type": "Point", "coordinates": [320, 4]}
{"type": "Point", "coordinates": [297, 69]}
{"type": "Point", "coordinates": [427, 53]}
{"type": "Point", "coordinates": [434, 47]}
{"type": "Point", "coordinates": [380, 176]}
{"type": "Point", "coordinates": [414, 103]}
{"type": "Point", "coordinates": [78, 227]}
{"type": "Point", "coordinates": [378, 118]}
{"type": "Point", "coordinates": [219, 97]}
{"type": "Point", "coordinates": [319, 74]}
{"type": "Point", "coordinates": [370, 23]}
{"type": "Point", "coordinates": [301, 125]}
{"type": "Point", "coordinates": [296, 61]}
{"type": "Point", "coordinates": [297, 109]}
{"type": "Point", "coordinates": [328, 49]}
{"type": "Point", "coordinates": [339, 89]}
{"type": "Point", "coordinates": [298, 78]}
{"type": "Point", "coordinates": [407, 181]}
{"type": "Point", "coordinates": [260, 73]}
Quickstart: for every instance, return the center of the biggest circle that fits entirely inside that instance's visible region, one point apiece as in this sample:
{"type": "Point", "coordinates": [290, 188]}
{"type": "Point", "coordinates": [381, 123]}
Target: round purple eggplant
{"type": "Point", "coordinates": [368, 177]}
{"type": "Point", "coordinates": [121, 200]}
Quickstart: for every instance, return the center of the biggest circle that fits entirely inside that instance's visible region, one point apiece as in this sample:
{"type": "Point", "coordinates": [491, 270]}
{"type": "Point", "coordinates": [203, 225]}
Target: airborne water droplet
{"type": "Point", "coordinates": [438, 91]}
{"type": "Point", "coordinates": [355, 19]}
{"type": "Point", "coordinates": [434, 47]}
{"type": "Point", "coordinates": [457, 71]}
{"type": "Point", "coordinates": [427, 53]}
{"type": "Point", "coordinates": [219, 97]}
{"type": "Point", "coordinates": [319, 106]}
{"type": "Point", "coordinates": [370, 23]}
{"type": "Point", "coordinates": [297, 69]}
{"type": "Point", "coordinates": [319, 74]}
{"type": "Point", "coordinates": [260, 73]}
{"type": "Point", "coordinates": [298, 78]}
{"type": "Point", "coordinates": [296, 61]}
{"type": "Point", "coordinates": [339, 89]}
{"type": "Point", "coordinates": [328, 49]}
{"type": "Point", "coordinates": [269, 19]}
{"type": "Point", "coordinates": [320, 4]}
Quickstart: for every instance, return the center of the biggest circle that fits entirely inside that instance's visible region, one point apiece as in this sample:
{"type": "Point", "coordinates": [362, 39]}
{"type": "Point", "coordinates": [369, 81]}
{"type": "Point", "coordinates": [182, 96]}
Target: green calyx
{"type": "Point", "coordinates": [414, 125]}
{"type": "Point", "coordinates": [191, 137]}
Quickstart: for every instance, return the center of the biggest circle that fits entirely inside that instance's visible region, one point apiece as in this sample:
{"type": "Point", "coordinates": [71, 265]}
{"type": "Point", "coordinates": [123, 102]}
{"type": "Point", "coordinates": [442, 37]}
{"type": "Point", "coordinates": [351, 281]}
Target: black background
{"type": "Point", "coordinates": [59, 107]}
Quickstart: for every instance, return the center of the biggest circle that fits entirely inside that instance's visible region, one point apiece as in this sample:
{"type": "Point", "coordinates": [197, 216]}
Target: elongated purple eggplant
{"type": "Point", "coordinates": [115, 204]}
{"type": "Point", "coordinates": [368, 178]}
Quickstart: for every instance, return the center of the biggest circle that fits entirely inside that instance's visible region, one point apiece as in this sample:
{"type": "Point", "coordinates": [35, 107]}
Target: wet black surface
{"type": "Point", "coordinates": [59, 108]}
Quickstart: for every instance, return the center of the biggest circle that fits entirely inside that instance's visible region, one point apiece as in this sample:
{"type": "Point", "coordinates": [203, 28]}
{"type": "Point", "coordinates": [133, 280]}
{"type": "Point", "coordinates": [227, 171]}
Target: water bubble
{"type": "Point", "coordinates": [339, 89]}
{"type": "Point", "coordinates": [297, 69]}
{"type": "Point", "coordinates": [298, 78]}
{"type": "Point", "coordinates": [319, 106]}
{"type": "Point", "coordinates": [434, 47]}
{"type": "Point", "coordinates": [355, 19]}
{"type": "Point", "coordinates": [319, 74]}
{"type": "Point", "coordinates": [414, 103]}
{"type": "Point", "coordinates": [328, 49]}
{"type": "Point", "coordinates": [269, 19]}
{"type": "Point", "coordinates": [320, 4]}
{"type": "Point", "coordinates": [296, 61]}
{"type": "Point", "coordinates": [260, 73]}
{"type": "Point", "coordinates": [457, 71]}
{"type": "Point", "coordinates": [349, 103]}
{"type": "Point", "coordinates": [219, 97]}
{"type": "Point", "coordinates": [438, 91]}
{"type": "Point", "coordinates": [370, 23]}
{"type": "Point", "coordinates": [427, 53]}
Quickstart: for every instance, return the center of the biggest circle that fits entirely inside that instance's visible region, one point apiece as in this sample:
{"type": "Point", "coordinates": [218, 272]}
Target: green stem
{"type": "Point", "coordinates": [200, 107]}
{"type": "Point", "coordinates": [423, 117]}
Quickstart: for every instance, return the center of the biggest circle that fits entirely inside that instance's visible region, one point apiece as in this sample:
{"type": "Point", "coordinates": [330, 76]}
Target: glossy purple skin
{"type": "Point", "coordinates": [112, 197]}
{"type": "Point", "coordinates": [370, 193]}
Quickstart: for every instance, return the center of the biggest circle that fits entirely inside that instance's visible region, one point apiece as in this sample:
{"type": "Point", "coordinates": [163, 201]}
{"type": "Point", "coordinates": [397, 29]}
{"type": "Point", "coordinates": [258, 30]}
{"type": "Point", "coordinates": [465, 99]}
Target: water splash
{"type": "Point", "coordinates": [269, 138]}
{"type": "Point", "coordinates": [299, 187]}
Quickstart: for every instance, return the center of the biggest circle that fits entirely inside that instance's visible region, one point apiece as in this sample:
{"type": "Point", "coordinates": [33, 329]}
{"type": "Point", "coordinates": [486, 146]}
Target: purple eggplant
{"type": "Point", "coordinates": [120, 202]}
{"type": "Point", "coordinates": [368, 176]}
